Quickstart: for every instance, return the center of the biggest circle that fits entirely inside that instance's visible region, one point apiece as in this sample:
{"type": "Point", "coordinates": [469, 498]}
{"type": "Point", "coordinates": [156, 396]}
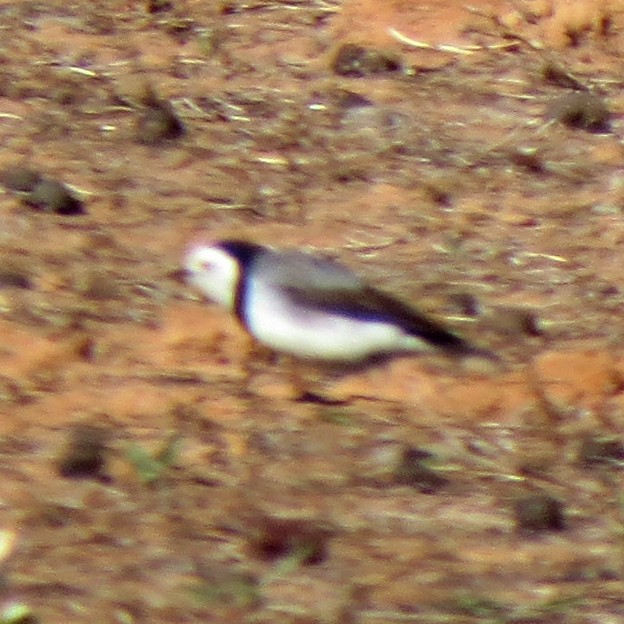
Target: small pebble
{"type": "Point", "coordinates": [528, 159]}
{"type": "Point", "coordinates": [14, 274]}
{"type": "Point", "coordinates": [557, 75]}
{"type": "Point", "coordinates": [85, 453]}
{"type": "Point", "coordinates": [597, 450]}
{"type": "Point", "coordinates": [582, 110]}
{"type": "Point", "coordinates": [97, 285]}
{"type": "Point", "coordinates": [158, 6]}
{"type": "Point", "coordinates": [275, 539]}
{"type": "Point", "coordinates": [40, 191]}
{"type": "Point", "coordinates": [345, 99]}
{"type": "Point", "coordinates": [512, 321]}
{"type": "Point", "coordinates": [466, 304]}
{"type": "Point", "coordinates": [21, 179]}
{"type": "Point", "coordinates": [539, 513]}
{"type": "Point", "coordinates": [413, 470]}
{"type": "Point", "coordinates": [157, 123]}
{"type": "Point", "coordinates": [53, 196]}
{"type": "Point", "coordinates": [356, 60]}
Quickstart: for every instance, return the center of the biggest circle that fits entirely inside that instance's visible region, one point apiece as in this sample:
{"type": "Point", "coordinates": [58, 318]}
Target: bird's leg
{"type": "Point", "coordinates": [303, 378]}
{"type": "Point", "coordinates": [297, 377]}
{"type": "Point", "coordinates": [257, 356]}
{"type": "Point", "coordinates": [306, 389]}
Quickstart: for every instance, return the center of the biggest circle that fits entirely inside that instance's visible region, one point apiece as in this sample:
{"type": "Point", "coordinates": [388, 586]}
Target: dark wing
{"type": "Point", "coordinates": [417, 324]}
{"type": "Point", "coordinates": [328, 286]}
{"type": "Point", "coordinates": [370, 304]}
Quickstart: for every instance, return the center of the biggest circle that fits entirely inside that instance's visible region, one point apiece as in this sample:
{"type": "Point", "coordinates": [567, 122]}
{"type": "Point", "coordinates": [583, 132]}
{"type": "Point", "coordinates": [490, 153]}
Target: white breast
{"type": "Point", "coordinates": [285, 326]}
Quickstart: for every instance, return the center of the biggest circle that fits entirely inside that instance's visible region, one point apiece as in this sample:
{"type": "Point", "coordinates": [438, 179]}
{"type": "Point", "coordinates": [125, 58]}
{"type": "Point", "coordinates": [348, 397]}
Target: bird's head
{"type": "Point", "coordinates": [214, 271]}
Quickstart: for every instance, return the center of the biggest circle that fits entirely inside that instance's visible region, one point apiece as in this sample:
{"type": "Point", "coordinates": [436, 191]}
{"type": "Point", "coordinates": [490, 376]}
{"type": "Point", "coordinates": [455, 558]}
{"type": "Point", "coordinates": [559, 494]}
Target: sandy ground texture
{"type": "Point", "coordinates": [465, 158]}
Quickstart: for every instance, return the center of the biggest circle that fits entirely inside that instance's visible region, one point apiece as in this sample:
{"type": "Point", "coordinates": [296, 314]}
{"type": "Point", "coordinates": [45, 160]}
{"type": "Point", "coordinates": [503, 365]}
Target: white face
{"type": "Point", "coordinates": [213, 272]}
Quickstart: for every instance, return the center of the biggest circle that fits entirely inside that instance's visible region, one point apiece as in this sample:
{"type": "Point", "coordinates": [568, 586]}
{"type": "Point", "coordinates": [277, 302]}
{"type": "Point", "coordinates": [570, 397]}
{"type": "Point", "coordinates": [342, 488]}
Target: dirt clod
{"type": "Point", "coordinates": [538, 513]}
{"type": "Point", "coordinates": [514, 321]}
{"type": "Point", "coordinates": [21, 179]}
{"type": "Point", "coordinates": [466, 304]}
{"type": "Point", "coordinates": [96, 285]}
{"type": "Point", "coordinates": [158, 6]}
{"type": "Point", "coordinates": [40, 191]}
{"type": "Point", "coordinates": [356, 60]}
{"type": "Point", "coordinates": [557, 75]}
{"type": "Point", "coordinates": [595, 450]}
{"type": "Point", "coordinates": [528, 159]}
{"type": "Point", "coordinates": [53, 196]}
{"type": "Point", "coordinates": [413, 470]}
{"type": "Point", "coordinates": [582, 110]}
{"type": "Point", "coordinates": [157, 123]}
{"type": "Point", "coordinates": [276, 539]}
{"type": "Point", "coordinates": [14, 274]}
{"type": "Point", "coordinates": [85, 453]}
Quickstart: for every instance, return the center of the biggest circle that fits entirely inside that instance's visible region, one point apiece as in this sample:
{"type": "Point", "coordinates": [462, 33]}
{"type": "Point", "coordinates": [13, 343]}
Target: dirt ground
{"type": "Point", "coordinates": [146, 477]}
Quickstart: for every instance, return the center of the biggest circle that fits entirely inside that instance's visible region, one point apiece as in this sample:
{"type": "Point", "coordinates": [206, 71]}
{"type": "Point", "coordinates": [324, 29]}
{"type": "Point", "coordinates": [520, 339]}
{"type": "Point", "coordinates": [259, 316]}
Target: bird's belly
{"type": "Point", "coordinates": [325, 336]}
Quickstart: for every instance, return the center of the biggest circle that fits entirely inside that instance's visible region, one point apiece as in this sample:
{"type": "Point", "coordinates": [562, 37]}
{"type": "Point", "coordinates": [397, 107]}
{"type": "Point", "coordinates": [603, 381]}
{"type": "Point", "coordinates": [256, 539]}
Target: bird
{"type": "Point", "coordinates": [312, 307]}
